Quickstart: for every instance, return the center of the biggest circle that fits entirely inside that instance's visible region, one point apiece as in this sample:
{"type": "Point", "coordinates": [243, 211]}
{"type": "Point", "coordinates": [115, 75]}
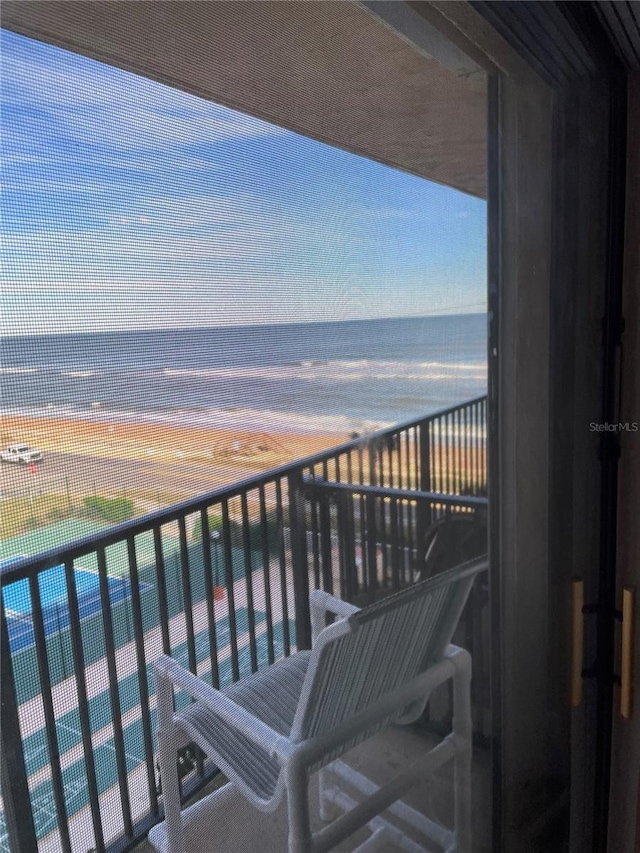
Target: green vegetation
{"type": "Point", "coordinates": [115, 510]}
{"type": "Point", "coordinates": [31, 512]}
{"type": "Point", "coordinates": [21, 514]}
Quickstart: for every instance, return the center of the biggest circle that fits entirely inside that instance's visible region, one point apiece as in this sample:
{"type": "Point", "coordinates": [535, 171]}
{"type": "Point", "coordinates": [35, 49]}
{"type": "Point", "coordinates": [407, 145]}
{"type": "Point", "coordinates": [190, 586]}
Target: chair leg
{"type": "Point", "coordinates": [328, 809]}
{"type": "Point", "coordinates": [300, 836]}
{"type": "Point", "coordinates": [462, 730]}
{"type": "Point", "coordinates": [167, 755]}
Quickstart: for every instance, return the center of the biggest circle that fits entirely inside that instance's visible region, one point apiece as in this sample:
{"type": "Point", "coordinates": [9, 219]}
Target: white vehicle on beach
{"type": "Point", "coordinates": [20, 453]}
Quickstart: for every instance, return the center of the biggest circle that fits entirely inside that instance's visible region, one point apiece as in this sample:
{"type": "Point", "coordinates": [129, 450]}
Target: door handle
{"type": "Point", "coordinates": [626, 656]}
{"type": "Point", "coordinates": [577, 641]}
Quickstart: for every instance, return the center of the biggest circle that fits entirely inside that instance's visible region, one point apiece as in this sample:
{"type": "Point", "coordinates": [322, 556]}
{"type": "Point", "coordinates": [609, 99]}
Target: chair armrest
{"type": "Point", "coordinates": [235, 715]}
{"type": "Point", "coordinates": [321, 603]}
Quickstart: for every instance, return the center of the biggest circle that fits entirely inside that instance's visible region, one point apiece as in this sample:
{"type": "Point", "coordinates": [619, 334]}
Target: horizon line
{"type": "Point", "coordinates": [135, 329]}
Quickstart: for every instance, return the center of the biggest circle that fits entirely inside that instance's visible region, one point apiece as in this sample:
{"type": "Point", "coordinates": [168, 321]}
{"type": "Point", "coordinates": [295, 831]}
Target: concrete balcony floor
{"type": "Point", "coordinates": [242, 829]}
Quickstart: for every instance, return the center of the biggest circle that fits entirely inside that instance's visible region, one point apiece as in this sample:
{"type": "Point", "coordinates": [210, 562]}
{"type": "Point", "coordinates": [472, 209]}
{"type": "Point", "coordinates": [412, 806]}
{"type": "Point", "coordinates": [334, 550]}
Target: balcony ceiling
{"type": "Point", "coordinates": [331, 71]}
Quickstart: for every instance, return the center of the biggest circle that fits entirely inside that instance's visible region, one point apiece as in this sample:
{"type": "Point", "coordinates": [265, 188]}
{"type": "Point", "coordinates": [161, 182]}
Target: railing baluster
{"type": "Point", "coordinates": [187, 599]}
{"type": "Point", "coordinates": [413, 549]}
{"type": "Point", "coordinates": [209, 584]}
{"type": "Point", "coordinates": [471, 450]}
{"type": "Point", "coordinates": [49, 713]}
{"type": "Point", "coordinates": [477, 446]}
{"type": "Point", "coordinates": [346, 541]}
{"type": "Point", "coordinates": [456, 453]}
{"type": "Point", "coordinates": [341, 531]}
{"type": "Point", "coordinates": [248, 575]}
{"type": "Point", "coordinates": [384, 540]}
{"type": "Point", "coordinates": [186, 594]}
{"type": "Point", "coordinates": [361, 518]}
{"type": "Point", "coordinates": [402, 543]}
{"type": "Point", "coordinates": [315, 549]}
{"type": "Point", "coordinates": [373, 480]}
{"type": "Point", "coordinates": [457, 443]}
{"type": "Point", "coordinates": [461, 444]}
{"type": "Point", "coordinates": [143, 682]}
{"type": "Point", "coordinates": [266, 574]}
{"type": "Point", "coordinates": [372, 547]}
{"type": "Point", "coordinates": [283, 568]}
{"type": "Point", "coordinates": [478, 449]}
{"type": "Point", "coordinates": [459, 481]}
{"type": "Point", "coordinates": [395, 545]}
{"type": "Point", "coordinates": [446, 456]}
{"type": "Point", "coordinates": [83, 706]}
{"type": "Point", "coordinates": [299, 559]}
{"type": "Point", "coordinates": [114, 695]}
{"type": "Point", "coordinates": [326, 543]}
{"type": "Point", "coordinates": [18, 816]}
{"type": "Point", "coordinates": [162, 590]}
{"type": "Point", "coordinates": [468, 427]}
{"type": "Point", "coordinates": [363, 556]}
{"type": "Point", "coordinates": [482, 449]}
{"type": "Point", "coordinates": [229, 581]}
{"type": "Point", "coordinates": [443, 453]}
{"type": "Point", "coordinates": [423, 516]}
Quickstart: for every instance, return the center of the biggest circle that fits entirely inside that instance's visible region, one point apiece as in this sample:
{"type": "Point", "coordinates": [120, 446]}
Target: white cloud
{"type": "Point", "coordinates": [68, 250]}
{"type": "Point", "coordinates": [101, 305]}
{"type": "Point", "coordinates": [98, 105]}
{"type": "Point", "coordinates": [152, 162]}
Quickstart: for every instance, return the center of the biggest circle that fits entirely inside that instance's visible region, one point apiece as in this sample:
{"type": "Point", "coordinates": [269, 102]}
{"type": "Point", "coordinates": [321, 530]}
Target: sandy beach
{"type": "Point", "coordinates": [163, 442]}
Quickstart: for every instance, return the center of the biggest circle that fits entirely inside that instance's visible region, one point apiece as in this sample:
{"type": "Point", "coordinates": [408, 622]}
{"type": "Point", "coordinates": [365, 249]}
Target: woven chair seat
{"type": "Point", "coordinates": [272, 695]}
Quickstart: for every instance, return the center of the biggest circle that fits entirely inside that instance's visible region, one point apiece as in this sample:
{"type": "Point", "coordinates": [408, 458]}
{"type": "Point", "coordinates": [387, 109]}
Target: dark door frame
{"type": "Point", "coordinates": [556, 162]}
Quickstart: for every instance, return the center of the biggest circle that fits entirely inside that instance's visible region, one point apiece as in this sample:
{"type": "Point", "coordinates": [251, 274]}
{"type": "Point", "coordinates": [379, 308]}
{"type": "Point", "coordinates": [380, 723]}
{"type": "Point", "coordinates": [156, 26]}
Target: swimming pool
{"type": "Point", "coordinates": [52, 583]}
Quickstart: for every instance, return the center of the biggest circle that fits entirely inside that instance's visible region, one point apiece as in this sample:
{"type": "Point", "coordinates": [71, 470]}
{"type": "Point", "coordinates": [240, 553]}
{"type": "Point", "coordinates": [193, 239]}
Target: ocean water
{"type": "Point", "coordinates": [314, 377]}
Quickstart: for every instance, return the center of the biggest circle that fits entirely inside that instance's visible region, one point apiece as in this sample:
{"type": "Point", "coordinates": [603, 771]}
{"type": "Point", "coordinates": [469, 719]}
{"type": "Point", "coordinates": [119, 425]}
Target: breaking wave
{"type": "Point", "coordinates": [341, 371]}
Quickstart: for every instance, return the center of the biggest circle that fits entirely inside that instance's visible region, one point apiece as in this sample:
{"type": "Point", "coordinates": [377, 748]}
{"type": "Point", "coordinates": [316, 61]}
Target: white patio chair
{"type": "Point", "coordinates": [271, 730]}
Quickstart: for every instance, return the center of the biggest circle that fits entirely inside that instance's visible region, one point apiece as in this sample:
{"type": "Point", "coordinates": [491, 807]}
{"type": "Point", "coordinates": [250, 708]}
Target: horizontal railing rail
{"type": "Point", "coordinates": [377, 538]}
{"type": "Point", "coordinates": [221, 582]}
{"type": "Point", "coordinates": [469, 501]}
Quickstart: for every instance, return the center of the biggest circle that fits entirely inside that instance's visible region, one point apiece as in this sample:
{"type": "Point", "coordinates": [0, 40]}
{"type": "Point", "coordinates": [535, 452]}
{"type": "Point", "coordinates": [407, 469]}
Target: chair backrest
{"type": "Point", "coordinates": [379, 649]}
{"type": "Point", "coordinates": [453, 539]}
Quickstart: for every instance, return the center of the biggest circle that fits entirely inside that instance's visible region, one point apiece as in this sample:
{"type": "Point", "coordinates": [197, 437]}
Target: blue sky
{"type": "Point", "coordinates": [127, 204]}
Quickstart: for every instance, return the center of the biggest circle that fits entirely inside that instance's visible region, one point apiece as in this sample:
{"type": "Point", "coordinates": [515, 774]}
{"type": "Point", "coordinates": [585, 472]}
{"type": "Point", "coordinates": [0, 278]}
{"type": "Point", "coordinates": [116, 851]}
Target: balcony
{"type": "Point", "coordinates": [221, 582]}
